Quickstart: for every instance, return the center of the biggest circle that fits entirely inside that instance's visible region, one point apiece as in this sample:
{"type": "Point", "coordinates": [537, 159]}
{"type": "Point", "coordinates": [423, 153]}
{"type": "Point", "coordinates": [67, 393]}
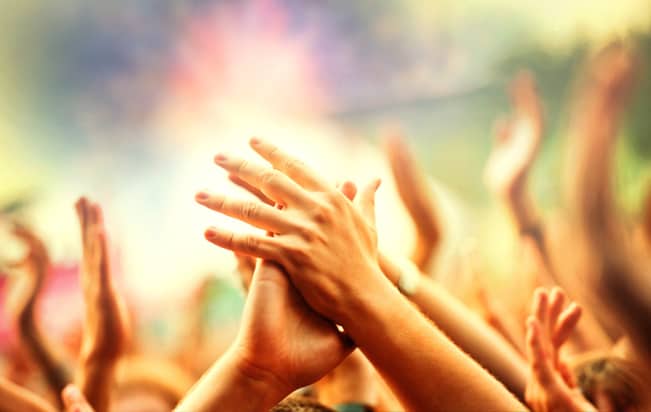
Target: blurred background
{"type": "Point", "coordinates": [128, 101]}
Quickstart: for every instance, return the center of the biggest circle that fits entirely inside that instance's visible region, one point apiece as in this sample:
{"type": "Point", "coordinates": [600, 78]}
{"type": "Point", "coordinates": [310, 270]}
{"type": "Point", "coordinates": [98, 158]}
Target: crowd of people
{"type": "Point", "coordinates": [332, 322]}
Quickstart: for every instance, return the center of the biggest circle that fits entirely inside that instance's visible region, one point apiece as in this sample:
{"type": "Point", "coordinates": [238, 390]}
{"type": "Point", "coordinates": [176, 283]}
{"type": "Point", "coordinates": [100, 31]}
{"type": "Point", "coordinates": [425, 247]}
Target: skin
{"type": "Point", "coordinates": [327, 245]}
{"type": "Point", "coordinates": [36, 264]}
{"type": "Point", "coordinates": [282, 345]}
{"type": "Point", "coordinates": [416, 195]}
{"type": "Point", "coordinates": [464, 328]}
{"type": "Point", "coordinates": [74, 400]}
{"type": "Point", "coordinates": [551, 386]}
{"type": "Point", "coordinates": [517, 144]}
{"type": "Point", "coordinates": [460, 324]}
{"type": "Point", "coordinates": [106, 327]}
{"type": "Point", "coordinates": [613, 268]}
{"type": "Point", "coordinates": [14, 398]}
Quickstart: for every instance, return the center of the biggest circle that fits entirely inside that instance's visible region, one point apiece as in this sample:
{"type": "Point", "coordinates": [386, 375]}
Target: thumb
{"type": "Point", "coordinates": [365, 200]}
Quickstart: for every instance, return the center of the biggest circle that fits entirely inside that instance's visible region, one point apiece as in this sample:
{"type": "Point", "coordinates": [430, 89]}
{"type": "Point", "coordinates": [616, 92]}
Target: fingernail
{"type": "Point", "coordinates": [255, 140]}
{"type": "Point", "coordinates": [201, 196]}
{"type": "Point", "coordinates": [220, 158]}
{"type": "Point", "coordinates": [211, 234]}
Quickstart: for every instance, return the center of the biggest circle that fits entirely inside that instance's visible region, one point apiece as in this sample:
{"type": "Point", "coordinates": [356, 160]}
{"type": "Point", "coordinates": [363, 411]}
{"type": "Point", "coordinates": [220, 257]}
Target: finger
{"type": "Point", "coordinates": [273, 184]}
{"type": "Point", "coordinates": [81, 207]}
{"type": "Point", "coordinates": [255, 192]}
{"type": "Point", "coordinates": [293, 167]}
{"type": "Point", "coordinates": [366, 200]}
{"type": "Point", "coordinates": [566, 324]}
{"type": "Point", "coordinates": [349, 189]}
{"type": "Point", "coordinates": [539, 309]}
{"type": "Point", "coordinates": [245, 268]}
{"type": "Point", "coordinates": [264, 247]}
{"type": "Point", "coordinates": [540, 364]}
{"type": "Point", "coordinates": [556, 303]}
{"type": "Point", "coordinates": [255, 213]}
{"type": "Point", "coordinates": [74, 400]}
{"type": "Point", "coordinates": [102, 249]}
{"type": "Point", "coordinates": [502, 130]}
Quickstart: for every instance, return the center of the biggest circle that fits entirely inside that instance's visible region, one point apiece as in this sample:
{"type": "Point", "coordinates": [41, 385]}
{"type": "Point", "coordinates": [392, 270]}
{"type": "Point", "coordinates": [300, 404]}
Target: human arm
{"type": "Point", "coordinates": [36, 265]}
{"type": "Point", "coordinates": [14, 398]}
{"type": "Point", "coordinates": [328, 248]}
{"type": "Point", "coordinates": [464, 327]}
{"type": "Point", "coordinates": [282, 345]}
{"type": "Point", "coordinates": [416, 194]}
{"type": "Point", "coordinates": [106, 326]}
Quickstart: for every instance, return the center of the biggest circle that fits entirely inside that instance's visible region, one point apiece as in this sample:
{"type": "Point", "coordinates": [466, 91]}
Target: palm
{"type": "Point", "coordinates": [282, 335]}
{"type": "Point", "coordinates": [106, 316]}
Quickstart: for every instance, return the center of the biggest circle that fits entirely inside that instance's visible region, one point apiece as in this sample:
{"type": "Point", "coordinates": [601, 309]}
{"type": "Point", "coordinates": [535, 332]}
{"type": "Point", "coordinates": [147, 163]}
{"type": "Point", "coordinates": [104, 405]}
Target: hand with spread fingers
{"type": "Point", "coordinates": [282, 345]}
{"type": "Point", "coordinates": [326, 244]}
{"type": "Point", "coordinates": [416, 194]}
{"type": "Point", "coordinates": [106, 327]}
{"type": "Point", "coordinates": [551, 386]}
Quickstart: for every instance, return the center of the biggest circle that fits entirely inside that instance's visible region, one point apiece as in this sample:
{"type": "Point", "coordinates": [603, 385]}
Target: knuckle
{"type": "Point", "coordinates": [267, 177]}
{"type": "Point", "coordinates": [249, 210]}
{"type": "Point", "coordinates": [244, 164]}
{"type": "Point", "coordinates": [251, 243]}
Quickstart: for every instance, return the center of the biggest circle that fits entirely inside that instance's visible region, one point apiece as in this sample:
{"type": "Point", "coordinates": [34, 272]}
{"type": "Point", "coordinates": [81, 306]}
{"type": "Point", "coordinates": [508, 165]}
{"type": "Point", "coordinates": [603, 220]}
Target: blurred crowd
{"type": "Point", "coordinates": [331, 321]}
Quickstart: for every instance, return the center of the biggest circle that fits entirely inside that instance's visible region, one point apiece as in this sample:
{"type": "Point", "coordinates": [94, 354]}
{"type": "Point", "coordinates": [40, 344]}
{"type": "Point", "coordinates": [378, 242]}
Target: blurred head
{"type": "Point", "coordinates": [613, 384]}
{"type": "Point", "coordinates": [300, 404]}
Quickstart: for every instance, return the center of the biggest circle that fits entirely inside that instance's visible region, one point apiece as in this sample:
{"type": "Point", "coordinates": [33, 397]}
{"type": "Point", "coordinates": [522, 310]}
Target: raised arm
{"type": "Point", "coordinates": [615, 272]}
{"type": "Point", "coordinates": [462, 326]}
{"type": "Point", "coordinates": [36, 265]}
{"type": "Point", "coordinates": [106, 327]}
{"type": "Point", "coordinates": [282, 345]}
{"type": "Point", "coordinates": [13, 398]}
{"type": "Point", "coordinates": [416, 195]}
{"type": "Point", "coordinates": [517, 143]}
{"type": "Point", "coordinates": [328, 247]}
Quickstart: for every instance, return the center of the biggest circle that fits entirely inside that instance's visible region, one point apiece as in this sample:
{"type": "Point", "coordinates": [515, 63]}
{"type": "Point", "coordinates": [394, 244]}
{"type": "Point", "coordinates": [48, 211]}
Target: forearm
{"type": "Point", "coordinates": [43, 354]}
{"type": "Point", "coordinates": [13, 398]}
{"type": "Point", "coordinates": [467, 330]}
{"type": "Point", "coordinates": [425, 370]}
{"type": "Point", "coordinates": [95, 379]}
{"type": "Point", "coordinates": [232, 385]}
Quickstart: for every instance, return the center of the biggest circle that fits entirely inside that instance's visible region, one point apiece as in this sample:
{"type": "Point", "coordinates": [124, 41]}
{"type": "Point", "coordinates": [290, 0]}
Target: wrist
{"type": "Point", "coordinates": [233, 383]}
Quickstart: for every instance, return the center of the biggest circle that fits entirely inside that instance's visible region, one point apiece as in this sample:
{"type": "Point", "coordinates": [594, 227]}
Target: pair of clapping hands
{"type": "Point", "coordinates": [317, 263]}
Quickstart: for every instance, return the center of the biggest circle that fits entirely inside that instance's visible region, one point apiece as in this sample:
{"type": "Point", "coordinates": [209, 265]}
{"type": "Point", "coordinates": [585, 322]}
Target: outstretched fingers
{"type": "Point", "coordinates": [295, 168]}
{"type": "Point", "coordinates": [566, 324]}
{"type": "Point", "coordinates": [541, 366]}
{"type": "Point", "coordinates": [272, 183]}
{"type": "Point", "coordinates": [255, 213]}
{"type": "Point", "coordinates": [261, 246]}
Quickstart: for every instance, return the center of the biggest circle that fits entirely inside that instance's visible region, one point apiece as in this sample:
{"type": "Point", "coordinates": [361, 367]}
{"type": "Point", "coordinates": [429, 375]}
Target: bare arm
{"type": "Point", "coordinates": [416, 195]}
{"type": "Point", "coordinates": [36, 264]}
{"type": "Point", "coordinates": [13, 398]}
{"type": "Point", "coordinates": [106, 324]}
{"type": "Point", "coordinates": [328, 247]}
{"type": "Point", "coordinates": [614, 271]}
{"type": "Point", "coordinates": [464, 327]}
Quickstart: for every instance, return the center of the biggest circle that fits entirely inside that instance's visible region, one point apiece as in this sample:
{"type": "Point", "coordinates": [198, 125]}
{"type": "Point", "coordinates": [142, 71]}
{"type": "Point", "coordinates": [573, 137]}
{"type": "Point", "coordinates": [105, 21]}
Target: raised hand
{"type": "Point", "coordinates": [326, 244]}
{"type": "Point", "coordinates": [551, 386]}
{"type": "Point", "coordinates": [106, 327]}
{"type": "Point", "coordinates": [416, 195]}
{"type": "Point", "coordinates": [36, 264]}
{"type": "Point", "coordinates": [282, 345]}
{"type": "Point", "coordinates": [517, 140]}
